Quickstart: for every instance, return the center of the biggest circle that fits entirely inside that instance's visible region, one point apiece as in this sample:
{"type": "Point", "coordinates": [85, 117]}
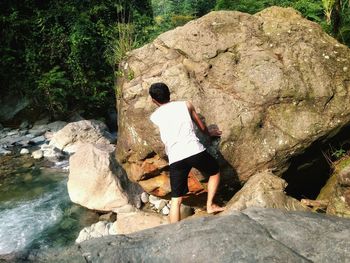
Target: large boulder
{"type": "Point", "coordinates": [264, 190]}
{"type": "Point", "coordinates": [273, 82]}
{"type": "Point", "coordinates": [70, 136]}
{"type": "Point", "coordinates": [97, 182]}
{"type": "Point", "coordinates": [256, 235]}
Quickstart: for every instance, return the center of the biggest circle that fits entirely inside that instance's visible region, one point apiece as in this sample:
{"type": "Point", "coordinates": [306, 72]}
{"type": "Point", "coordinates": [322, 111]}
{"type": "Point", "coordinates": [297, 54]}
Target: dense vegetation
{"type": "Point", "coordinates": [64, 54]}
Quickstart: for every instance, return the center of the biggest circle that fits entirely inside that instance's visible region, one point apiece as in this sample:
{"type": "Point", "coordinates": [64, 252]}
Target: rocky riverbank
{"type": "Point", "coordinates": [254, 235]}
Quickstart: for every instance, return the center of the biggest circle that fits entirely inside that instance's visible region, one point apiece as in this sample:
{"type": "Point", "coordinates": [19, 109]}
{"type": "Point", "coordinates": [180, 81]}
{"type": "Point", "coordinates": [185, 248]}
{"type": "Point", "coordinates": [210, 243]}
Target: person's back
{"type": "Point", "coordinates": [177, 131]}
{"type": "Point", "coordinates": [174, 120]}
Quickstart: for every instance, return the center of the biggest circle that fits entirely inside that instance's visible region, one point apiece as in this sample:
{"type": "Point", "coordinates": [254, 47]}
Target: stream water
{"type": "Point", "coordinates": [35, 209]}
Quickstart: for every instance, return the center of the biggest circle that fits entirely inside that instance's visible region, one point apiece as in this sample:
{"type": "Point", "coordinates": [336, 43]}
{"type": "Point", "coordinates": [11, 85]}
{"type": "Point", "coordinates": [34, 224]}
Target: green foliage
{"type": "Point", "coordinates": [310, 9]}
{"type": "Point", "coordinates": [65, 53]}
{"type": "Point", "coordinates": [332, 15]}
{"type": "Point", "coordinates": [54, 86]}
{"type": "Point", "coordinates": [172, 13]}
{"type": "Point", "coordinates": [339, 153]}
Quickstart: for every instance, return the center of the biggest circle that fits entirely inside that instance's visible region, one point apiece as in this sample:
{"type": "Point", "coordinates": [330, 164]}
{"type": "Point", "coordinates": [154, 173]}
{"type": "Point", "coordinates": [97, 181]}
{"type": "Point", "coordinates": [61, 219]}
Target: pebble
{"type": "Point", "coordinates": [38, 154]}
{"type": "Point", "coordinates": [153, 199]}
{"type": "Point", "coordinates": [145, 198]}
{"type": "Point", "coordinates": [24, 151]}
{"type": "Point", "coordinates": [165, 210]}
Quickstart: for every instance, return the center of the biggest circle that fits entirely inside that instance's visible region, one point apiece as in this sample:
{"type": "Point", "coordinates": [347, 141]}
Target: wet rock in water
{"type": "Point", "coordinates": [37, 140]}
{"type": "Point", "coordinates": [4, 151]}
{"type": "Point", "coordinates": [254, 235]}
{"type": "Point", "coordinates": [262, 79]}
{"type": "Point", "coordinates": [337, 190]}
{"type": "Point", "coordinates": [264, 190]}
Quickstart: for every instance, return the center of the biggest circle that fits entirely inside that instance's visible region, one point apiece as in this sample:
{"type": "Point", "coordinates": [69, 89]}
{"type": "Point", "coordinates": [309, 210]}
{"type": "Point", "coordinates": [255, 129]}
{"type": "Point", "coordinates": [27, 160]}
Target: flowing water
{"type": "Point", "coordinates": [35, 209]}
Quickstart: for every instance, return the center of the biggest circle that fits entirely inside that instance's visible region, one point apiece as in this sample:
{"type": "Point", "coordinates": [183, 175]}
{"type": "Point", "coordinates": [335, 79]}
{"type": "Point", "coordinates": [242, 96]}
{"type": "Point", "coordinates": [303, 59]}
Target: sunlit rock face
{"type": "Point", "coordinates": [273, 82]}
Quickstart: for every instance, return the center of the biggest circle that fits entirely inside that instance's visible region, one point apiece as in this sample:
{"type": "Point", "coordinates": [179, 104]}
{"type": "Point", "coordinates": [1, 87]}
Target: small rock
{"type": "Point", "coordinates": [165, 210]}
{"type": "Point", "coordinates": [52, 153]}
{"type": "Point", "coordinates": [24, 151]}
{"type": "Point", "coordinates": [153, 199]}
{"type": "Point", "coordinates": [37, 132]}
{"type": "Point", "coordinates": [29, 135]}
{"type": "Point", "coordinates": [161, 205]}
{"type": "Point", "coordinates": [38, 154]}
{"type": "Point", "coordinates": [145, 198]}
{"type": "Point", "coordinates": [38, 140]}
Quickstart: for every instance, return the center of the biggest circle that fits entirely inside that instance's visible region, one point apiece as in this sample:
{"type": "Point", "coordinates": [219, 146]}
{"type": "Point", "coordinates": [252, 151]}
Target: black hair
{"type": "Point", "coordinates": [160, 92]}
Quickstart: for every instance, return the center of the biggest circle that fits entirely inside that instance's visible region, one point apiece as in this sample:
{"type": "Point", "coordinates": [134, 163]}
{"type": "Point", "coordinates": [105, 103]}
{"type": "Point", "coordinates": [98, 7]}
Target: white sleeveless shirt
{"type": "Point", "coordinates": [176, 131]}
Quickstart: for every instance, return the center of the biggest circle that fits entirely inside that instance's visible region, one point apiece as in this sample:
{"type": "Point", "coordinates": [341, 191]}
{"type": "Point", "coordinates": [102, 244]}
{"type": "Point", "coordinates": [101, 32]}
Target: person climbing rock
{"type": "Point", "coordinates": [175, 122]}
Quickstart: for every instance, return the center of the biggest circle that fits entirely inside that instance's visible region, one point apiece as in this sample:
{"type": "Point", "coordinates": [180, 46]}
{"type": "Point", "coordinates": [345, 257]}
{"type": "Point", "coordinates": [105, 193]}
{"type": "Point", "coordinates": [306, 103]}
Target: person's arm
{"type": "Point", "coordinates": [215, 132]}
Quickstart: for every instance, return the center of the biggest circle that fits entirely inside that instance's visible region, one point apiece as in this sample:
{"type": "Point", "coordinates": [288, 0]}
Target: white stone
{"type": "Point", "coordinates": [165, 210]}
{"type": "Point", "coordinates": [24, 151]}
{"type": "Point", "coordinates": [153, 199]}
{"type": "Point", "coordinates": [145, 198]}
{"type": "Point", "coordinates": [38, 154]}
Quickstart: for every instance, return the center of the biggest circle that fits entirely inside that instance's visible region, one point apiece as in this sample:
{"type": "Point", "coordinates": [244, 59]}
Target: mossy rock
{"type": "Point", "coordinates": [335, 191]}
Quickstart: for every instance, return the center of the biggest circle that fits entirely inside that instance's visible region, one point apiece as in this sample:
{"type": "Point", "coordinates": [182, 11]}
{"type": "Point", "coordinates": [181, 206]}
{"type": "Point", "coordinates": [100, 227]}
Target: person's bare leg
{"type": "Point", "coordinates": [213, 184]}
{"type": "Point", "coordinates": [175, 209]}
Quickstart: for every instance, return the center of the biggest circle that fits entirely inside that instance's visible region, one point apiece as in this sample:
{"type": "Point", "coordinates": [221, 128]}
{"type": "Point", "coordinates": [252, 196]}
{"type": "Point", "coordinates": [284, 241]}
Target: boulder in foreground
{"type": "Point", "coordinates": [256, 235]}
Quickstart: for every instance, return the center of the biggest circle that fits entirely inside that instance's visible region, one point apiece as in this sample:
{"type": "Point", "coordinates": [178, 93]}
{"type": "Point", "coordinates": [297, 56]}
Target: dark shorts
{"type": "Point", "coordinates": [202, 161]}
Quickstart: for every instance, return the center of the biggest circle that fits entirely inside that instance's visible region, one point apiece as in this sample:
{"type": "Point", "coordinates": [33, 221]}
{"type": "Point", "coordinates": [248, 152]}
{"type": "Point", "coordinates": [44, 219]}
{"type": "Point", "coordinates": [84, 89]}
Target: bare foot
{"type": "Point", "coordinates": [213, 209]}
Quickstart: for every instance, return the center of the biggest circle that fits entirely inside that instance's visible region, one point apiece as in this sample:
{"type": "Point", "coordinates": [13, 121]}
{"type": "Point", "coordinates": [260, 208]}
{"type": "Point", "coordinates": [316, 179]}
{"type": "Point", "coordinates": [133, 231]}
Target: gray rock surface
{"type": "Point", "coordinates": [256, 235]}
